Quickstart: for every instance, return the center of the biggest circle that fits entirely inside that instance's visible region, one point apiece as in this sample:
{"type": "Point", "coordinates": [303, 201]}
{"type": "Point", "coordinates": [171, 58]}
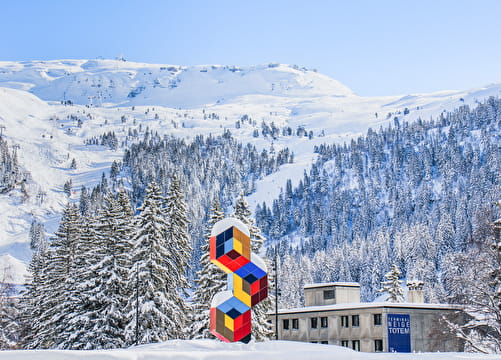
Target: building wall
{"type": "Point", "coordinates": [348, 294]}
{"type": "Point", "coordinates": [429, 333]}
{"type": "Point", "coordinates": [315, 295]}
{"type": "Point", "coordinates": [426, 333]}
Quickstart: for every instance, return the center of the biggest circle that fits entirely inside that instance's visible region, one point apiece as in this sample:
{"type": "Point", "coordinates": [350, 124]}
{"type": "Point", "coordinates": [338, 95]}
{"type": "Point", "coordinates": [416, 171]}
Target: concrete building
{"type": "Point", "coordinates": [334, 315]}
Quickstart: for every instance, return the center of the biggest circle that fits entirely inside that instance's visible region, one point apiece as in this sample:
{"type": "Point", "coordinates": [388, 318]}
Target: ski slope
{"type": "Point", "coordinates": [49, 108]}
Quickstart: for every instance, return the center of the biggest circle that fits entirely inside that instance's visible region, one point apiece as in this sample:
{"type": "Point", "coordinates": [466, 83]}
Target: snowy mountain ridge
{"type": "Point", "coordinates": [49, 108]}
{"type": "Point", "coordinates": [126, 83]}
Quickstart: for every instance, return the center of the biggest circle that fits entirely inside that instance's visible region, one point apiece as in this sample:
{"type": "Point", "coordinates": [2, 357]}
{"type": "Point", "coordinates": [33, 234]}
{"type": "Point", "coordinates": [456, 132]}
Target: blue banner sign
{"type": "Point", "coordinates": [399, 333]}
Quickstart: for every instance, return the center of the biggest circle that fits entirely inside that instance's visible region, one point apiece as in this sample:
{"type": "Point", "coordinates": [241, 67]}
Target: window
{"type": "Point", "coordinates": [314, 342]}
{"type": "Point", "coordinates": [324, 322]}
{"type": "Point", "coordinates": [378, 345]}
{"type": "Point", "coordinates": [378, 320]}
{"type": "Point", "coordinates": [285, 324]}
{"type": "Point", "coordinates": [344, 321]}
{"type": "Point", "coordinates": [355, 320]}
{"type": "Point", "coordinates": [345, 343]}
{"type": "Point", "coordinates": [324, 342]}
{"type": "Point", "coordinates": [355, 345]}
{"type": "Point", "coordinates": [295, 324]}
{"type": "Point", "coordinates": [314, 322]}
{"type": "Point", "coordinates": [329, 294]}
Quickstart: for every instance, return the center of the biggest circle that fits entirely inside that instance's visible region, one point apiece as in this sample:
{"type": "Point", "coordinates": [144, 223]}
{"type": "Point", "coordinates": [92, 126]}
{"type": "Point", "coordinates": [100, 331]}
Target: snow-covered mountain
{"type": "Point", "coordinates": [49, 108]}
{"type": "Point", "coordinates": [124, 83]}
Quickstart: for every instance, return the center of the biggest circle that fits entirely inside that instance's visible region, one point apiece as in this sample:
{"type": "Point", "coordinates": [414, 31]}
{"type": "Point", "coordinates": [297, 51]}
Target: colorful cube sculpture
{"type": "Point", "coordinates": [230, 249]}
{"type": "Point", "coordinates": [230, 318]}
{"type": "Point", "coordinates": [250, 282]}
{"type": "Point", "coordinates": [230, 313]}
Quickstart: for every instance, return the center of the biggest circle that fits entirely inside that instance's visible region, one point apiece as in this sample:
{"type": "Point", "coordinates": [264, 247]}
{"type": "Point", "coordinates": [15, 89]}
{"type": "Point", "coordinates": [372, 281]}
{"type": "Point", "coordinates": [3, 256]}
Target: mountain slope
{"type": "Point", "coordinates": [50, 108]}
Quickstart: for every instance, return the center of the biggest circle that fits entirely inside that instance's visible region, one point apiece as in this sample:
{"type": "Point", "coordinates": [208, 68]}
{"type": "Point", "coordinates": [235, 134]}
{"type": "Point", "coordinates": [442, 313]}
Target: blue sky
{"type": "Point", "coordinates": [374, 47]}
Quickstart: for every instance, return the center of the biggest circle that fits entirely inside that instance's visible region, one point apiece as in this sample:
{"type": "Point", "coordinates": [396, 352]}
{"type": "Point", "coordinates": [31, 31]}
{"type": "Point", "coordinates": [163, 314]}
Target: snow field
{"type": "Point", "coordinates": [215, 350]}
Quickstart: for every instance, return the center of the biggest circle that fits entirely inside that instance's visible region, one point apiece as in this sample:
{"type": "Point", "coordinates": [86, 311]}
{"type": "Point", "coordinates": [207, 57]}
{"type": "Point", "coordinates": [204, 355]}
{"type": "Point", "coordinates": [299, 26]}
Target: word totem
{"type": "Point", "coordinates": [230, 250]}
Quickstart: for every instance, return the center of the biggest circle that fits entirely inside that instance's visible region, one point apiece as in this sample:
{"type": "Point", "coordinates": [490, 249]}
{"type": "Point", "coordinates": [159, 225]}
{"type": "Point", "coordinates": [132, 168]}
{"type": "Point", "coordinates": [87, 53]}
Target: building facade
{"type": "Point", "coordinates": [334, 315]}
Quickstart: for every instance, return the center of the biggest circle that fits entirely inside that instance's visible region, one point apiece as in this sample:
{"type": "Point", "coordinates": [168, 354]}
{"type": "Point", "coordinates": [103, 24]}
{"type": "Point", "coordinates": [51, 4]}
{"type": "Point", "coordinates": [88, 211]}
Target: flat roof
{"type": "Point", "coordinates": [354, 306]}
{"type": "Point", "coordinates": [339, 283]}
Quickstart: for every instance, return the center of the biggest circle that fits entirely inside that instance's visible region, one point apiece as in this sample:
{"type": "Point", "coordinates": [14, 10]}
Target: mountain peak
{"type": "Point", "coordinates": [118, 82]}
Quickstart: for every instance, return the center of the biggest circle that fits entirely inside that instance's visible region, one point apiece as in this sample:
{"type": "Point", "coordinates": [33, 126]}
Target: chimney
{"type": "Point", "coordinates": [415, 294]}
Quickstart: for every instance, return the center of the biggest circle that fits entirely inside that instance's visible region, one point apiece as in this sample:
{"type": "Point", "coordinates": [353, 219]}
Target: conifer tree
{"type": "Point", "coordinates": [261, 328]}
{"type": "Point", "coordinates": [107, 249]}
{"type": "Point", "coordinates": [124, 203]}
{"type": "Point", "coordinates": [496, 272]}
{"type": "Point", "coordinates": [150, 307]}
{"type": "Point", "coordinates": [243, 213]}
{"type": "Point", "coordinates": [210, 280]}
{"type": "Point", "coordinates": [60, 256]}
{"type": "Point", "coordinates": [37, 235]}
{"type": "Point", "coordinates": [113, 242]}
{"type": "Point", "coordinates": [66, 307]}
{"type": "Point", "coordinates": [178, 244]}
{"type": "Point", "coordinates": [9, 312]}
{"type": "Point", "coordinates": [84, 201]}
{"type": "Point", "coordinates": [480, 278]}
{"type": "Point", "coordinates": [392, 285]}
{"type": "Point", "coordinates": [32, 298]}
{"type": "Point", "coordinates": [9, 323]}
{"type": "Point", "coordinates": [82, 303]}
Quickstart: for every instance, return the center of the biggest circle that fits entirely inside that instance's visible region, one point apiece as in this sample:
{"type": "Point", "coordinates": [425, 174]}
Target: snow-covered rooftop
{"type": "Point", "coordinates": [349, 306]}
{"type": "Point", "coordinates": [338, 283]}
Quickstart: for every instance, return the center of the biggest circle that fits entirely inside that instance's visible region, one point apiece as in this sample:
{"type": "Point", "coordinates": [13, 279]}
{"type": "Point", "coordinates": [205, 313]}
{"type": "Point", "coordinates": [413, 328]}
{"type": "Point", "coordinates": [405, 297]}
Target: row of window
{"type": "Point", "coordinates": [345, 321]}
{"type": "Point", "coordinates": [355, 344]}
{"type": "Point", "coordinates": [324, 322]}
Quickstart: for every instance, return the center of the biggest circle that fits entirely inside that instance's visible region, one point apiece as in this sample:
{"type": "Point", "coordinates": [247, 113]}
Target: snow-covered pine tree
{"type": "Point", "coordinates": [496, 274]}
{"type": "Point", "coordinates": [481, 292]}
{"type": "Point", "coordinates": [82, 304]}
{"type": "Point", "coordinates": [125, 207]}
{"type": "Point", "coordinates": [150, 306]}
{"type": "Point", "coordinates": [10, 173]}
{"type": "Point", "coordinates": [9, 312]}
{"type": "Point", "coordinates": [103, 263]}
{"type": "Point", "coordinates": [210, 280]}
{"type": "Point", "coordinates": [9, 326]}
{"type": "Point", "coordinates": [113, 243]}
{"type": "Point", "coordinates": [60, 256]}
{"type": "Point", "coordinates": [84, 201]}
{"type": "Point", "coordinates": [243, 213]}
{"type": "Point", "coordinates": [392, 285]}
{"type": "Point", "coordinates": [71, 304]}
{"type": "Point", "coordinates": [261, 327]}
{"type": "Point", "coordinates": [37, 234]}
{"type": "Point", "coordinates": [178, 244]}
{"type": "Point", "coordinates": [32, 298]}
{"type": "Point", "coordinates": [124, 202]}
